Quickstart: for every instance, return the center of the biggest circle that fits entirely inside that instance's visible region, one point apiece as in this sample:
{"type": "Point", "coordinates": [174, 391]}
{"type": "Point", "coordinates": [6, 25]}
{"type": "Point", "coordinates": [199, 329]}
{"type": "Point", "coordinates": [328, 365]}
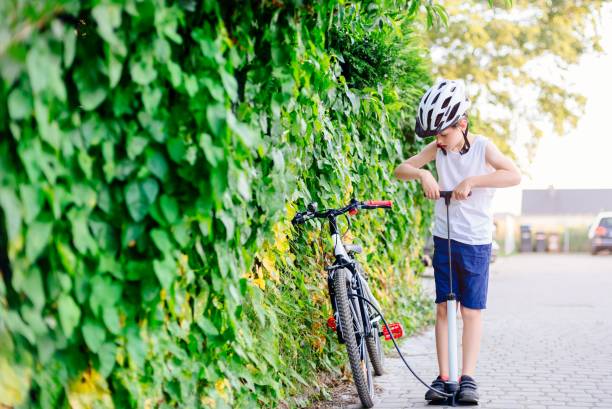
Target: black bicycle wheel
{"type": "Point", "coordinates": [375, 350]}
{"type": "Point", "coordinates": [357, 352]}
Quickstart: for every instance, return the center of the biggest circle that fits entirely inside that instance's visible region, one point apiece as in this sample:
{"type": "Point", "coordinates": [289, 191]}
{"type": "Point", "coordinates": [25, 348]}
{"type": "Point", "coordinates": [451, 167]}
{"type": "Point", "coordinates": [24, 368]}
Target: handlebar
{"type": "Point", "coordinates": [352, 208]}
{"type": "Point", "coordinates": [448, 194]}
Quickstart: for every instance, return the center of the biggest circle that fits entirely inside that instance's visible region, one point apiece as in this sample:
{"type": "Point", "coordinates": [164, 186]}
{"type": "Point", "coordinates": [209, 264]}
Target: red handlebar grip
{"type": "Point", "coordinates": [383, 203]}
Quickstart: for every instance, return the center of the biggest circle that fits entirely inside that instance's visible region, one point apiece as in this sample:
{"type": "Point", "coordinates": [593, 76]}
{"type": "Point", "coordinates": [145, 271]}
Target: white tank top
{"type": "Point", "coordinates": [471, 220]}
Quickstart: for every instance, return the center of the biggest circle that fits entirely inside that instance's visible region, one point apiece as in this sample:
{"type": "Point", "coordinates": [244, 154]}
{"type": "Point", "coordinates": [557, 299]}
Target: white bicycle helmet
{"type": "Point", "coordinates": [441, 106]}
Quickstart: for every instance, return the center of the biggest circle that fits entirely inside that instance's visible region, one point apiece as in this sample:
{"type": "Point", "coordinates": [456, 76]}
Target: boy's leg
{"type": "Point", "coordinates": [472, 333]}
{"type": "Point", "coordinates": [442, 338]}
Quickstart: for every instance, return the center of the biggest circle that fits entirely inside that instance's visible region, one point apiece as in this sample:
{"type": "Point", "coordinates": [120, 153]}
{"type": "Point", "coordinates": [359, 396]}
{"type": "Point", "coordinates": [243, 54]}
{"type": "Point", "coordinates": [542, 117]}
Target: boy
{"type": "Point", "coordinates": [464, 163]}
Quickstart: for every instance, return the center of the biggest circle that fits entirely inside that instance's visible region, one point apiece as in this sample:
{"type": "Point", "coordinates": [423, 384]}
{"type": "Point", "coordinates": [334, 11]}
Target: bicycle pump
{"type": "Point", "coordinates": [452, 385]}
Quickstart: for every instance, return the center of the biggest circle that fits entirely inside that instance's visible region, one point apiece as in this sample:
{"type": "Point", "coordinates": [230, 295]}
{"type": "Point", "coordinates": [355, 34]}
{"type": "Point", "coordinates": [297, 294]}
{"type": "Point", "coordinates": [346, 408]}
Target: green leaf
{"type": "Point", "coordinates": [92, 91]}
{"type": "Point", "coordinates": [81, 236]}
{"type": "Point", "coordinates": [33, 317]}
{"type": "Point", "coordinates": [32, 199]}
{"type": "Point", "coordinates": [136, 200]}
{"type": "Point", "coordinates": [136, 348]}
{"type": "Point", "coordinates": [248, 136]}
{"type": "Point", "coordinates": [150, 98]}
{"type": "Point", "coordinates": [19, 104]}
{"type": "Point", "coordinates": [108, 19]}
{"type": "Point", "coordinates": [115, 67]}
{"type": "Point", "coordinates": [37, 238]}
{"type": "Point", "coordinates": [214, 88]}
{"type": "Point", "coordinates": [176, 75]}
{"type": "Point", "coordinates": [177, 149]}
{"type": "Point", "coordinates": [33, 287]}
{"type": "Point", "coordinates": [156, 163]}
{"type": "Point", "coordinates": [230, 84]}
{"type": "Point", "coordinates": [142, 70]}
{"type": "Point", "coordinates": [104, 292]}
{"type": "Point", "coordinates": [191, 85]}
{"type": "Point", "coordinates": [216, 115]}
{"type": "Point", "coordinates": [12, 213]}
{"type": "Point", "coordinates": [107, 356]}
{"type": "Point", "coordinates": [67, 257]}
{"type": "Point", "coordinates": [150, 187]}
{"type": "Point", "coordinates": [165, 271]}
{"type": "Point", "coordinates": [182, 234]}
{"type": "Point", "coordinates": [44, 69]}
{"type": "Point", "coordinates": [136, 145]}
{"type": "Point", "coordinates": [69, 314]}
{"type": "Point", "coordinates": [169, 208]}
{"type": "Point", "coordinates": [207, 326]}
{"type": "Point", "coordinates": [162, 241]}
{"type": "Point", "coordinates": [94, 335]}
{"type": "Point", "coordinates": [110, 316]}
{"type": "Point", "coordinates": [69, 47]}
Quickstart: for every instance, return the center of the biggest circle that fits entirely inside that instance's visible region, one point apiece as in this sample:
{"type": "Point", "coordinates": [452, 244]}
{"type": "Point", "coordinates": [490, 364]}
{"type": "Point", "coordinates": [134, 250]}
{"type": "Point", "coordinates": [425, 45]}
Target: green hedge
{"type": "Point", "coordinates": [152, 157]}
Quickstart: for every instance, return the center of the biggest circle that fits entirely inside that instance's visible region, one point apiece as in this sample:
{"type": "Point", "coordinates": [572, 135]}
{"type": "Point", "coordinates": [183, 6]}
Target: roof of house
{"type": "Point", "coordinates": [566, 201]}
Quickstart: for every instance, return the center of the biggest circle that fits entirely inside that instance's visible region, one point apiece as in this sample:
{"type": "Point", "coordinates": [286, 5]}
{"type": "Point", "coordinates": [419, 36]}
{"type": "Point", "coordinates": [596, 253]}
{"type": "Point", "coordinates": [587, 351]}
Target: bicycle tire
{"type": "Point", "coordinates": [373, 342]}
{"type": "Point", "coordinates": [376, 352]}
{"type": "Point", "coordinates": [362, 371]}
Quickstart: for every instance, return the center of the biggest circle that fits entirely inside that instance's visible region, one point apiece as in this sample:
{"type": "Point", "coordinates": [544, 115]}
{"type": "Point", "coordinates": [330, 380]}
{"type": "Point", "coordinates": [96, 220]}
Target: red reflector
{"type": "Point", "coordinates": [601, 231]}
{"type": "Point", "coordinates": [396, 329]}
{"type": "Point", "coordinates": [331, 323]}
{"type": "Point", "coordinates": [353, 212]}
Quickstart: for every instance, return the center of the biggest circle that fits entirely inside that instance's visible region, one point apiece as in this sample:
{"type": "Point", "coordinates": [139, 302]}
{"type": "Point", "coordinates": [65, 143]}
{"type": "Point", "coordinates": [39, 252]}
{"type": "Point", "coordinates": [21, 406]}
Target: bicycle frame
{"type": "Point", "coordinates": [344, 260]}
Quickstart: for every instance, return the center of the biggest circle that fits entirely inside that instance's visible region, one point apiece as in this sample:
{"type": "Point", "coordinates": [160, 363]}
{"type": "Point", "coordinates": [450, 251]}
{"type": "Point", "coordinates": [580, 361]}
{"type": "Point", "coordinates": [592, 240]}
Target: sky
{"type": "Point", "coordinates": [583, 157]}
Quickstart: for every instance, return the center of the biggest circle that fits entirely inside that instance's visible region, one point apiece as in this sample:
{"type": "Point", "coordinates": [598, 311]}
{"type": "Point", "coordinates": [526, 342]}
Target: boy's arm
{"type": "Point", "coordinates": [411, 168]}
{"type": "Point", "coordinates": [506, 173]}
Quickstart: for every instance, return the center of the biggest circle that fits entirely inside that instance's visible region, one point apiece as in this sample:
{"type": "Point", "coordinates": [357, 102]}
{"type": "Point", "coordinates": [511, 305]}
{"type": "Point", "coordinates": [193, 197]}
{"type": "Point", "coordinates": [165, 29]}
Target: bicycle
{"type": "Point", "coordinates": [356, 318]}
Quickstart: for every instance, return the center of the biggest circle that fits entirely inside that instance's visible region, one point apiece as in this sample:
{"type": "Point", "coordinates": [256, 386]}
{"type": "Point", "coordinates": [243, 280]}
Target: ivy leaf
{"type": "Point", "coordinates": [176, 149]}
{"type": "Point", "coordinates": [139, 195]}
{"type": "Point", "coordinates": [69, 47]}
{"type": "Point", "coordinates": [107, 355]}
{"type": "Point", "coordinates": [91, 89]}
{"type": "Point", "coordinates": [38, 236]}
{"type": "Point", "coordinates": [94, 335]}
{"type": "Point", "coordinates": [69, 314]}
{"type": "Point", "coordinates": [156, 163]}
{"type": "Point", "coordinates": [151, 189]}
{"type": "Point", "coordinates": [33, 287]}
{"type": "Point", "coordinates": [32, 199]}
{"type": "Point", "coordinates": [142, 70]}
{"type": "Point", "coordinates": [19, 104]}
{"type": "Point", "coordinates": [108, 18]}
{"type": "Point", "coordinates": [136, 145]}
{"type": "Point", "coordinates": [136, 348]}
{"type": "Point", "coordinates": [110, 316]}
{"type": "Point", "coordinates": [165, 271]}
{"type": "Point", "coordinates": [81, 236]}
{"type": "Point", "coordinates": [104, 292]}
{"type": "Point", "coordinates": [169, 208]}
{"type": "Point", "coordinates": [162, 241]}
{"type": "Point", "coordinates": [230, 84]}
{"type": "Point", "coordinates": [207, 326]}
{"type": "Point", "coordinates": [216, 115]}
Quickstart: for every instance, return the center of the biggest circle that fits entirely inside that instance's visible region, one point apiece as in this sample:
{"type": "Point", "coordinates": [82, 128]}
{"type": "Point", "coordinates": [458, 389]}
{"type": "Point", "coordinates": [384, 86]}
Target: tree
{"type": "Point", "coordinates": [501, 52]}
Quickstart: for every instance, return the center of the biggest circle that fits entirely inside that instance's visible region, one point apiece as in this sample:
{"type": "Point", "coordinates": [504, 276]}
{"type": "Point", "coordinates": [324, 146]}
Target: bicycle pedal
{"type": "Point", "coordinates": [331, 323]}
{"type": "Point", "coordinates": [397, 330]}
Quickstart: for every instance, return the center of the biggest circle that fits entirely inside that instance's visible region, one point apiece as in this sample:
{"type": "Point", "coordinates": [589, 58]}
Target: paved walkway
{"type": "Point", "coordinates": [547, 339]}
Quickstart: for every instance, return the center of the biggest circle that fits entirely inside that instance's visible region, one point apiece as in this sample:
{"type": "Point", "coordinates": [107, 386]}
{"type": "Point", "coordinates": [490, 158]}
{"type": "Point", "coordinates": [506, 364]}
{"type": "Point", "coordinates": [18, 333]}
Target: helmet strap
{"type": "Point", "coordinates": [466, 142]}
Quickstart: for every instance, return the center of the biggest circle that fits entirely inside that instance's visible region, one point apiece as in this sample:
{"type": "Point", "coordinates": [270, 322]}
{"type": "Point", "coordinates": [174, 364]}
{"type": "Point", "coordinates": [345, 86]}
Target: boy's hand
{"type": "Point", "coordinates": [430, 186]}
{"type": "Point", "coordinates": [463, 190]}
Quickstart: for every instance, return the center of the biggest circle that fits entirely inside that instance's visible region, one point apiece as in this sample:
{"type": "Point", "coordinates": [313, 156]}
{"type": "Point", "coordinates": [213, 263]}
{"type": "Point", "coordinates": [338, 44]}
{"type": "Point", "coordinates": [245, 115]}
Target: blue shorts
{"type": "Point", "coordinates": [470, 272]}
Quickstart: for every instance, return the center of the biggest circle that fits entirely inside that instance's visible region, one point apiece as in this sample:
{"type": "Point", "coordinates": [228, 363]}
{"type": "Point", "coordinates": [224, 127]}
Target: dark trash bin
{"type": "Point", "coordinates": [525, 239]}
{"type": "Point", "coordinates": [540, 242]}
